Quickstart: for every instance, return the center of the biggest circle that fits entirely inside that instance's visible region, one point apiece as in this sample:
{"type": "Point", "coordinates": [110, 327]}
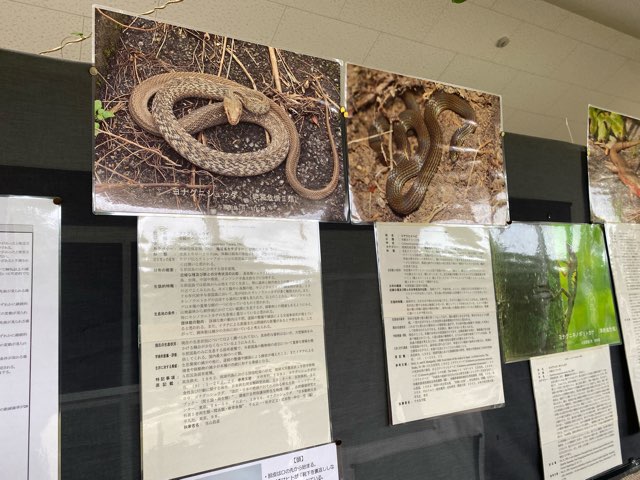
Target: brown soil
{"type": "Point", "coordinates": [471, 191]}
{"type": "Point", "coordinates": [136, 172]}
{"type": "Point", "coordinates": [609, 198]}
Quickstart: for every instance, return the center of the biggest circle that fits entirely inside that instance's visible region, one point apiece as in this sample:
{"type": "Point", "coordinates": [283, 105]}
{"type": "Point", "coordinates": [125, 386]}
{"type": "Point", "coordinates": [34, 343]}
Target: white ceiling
{"type": "Point", "coordinates": [557, 61]}
{"type": "Point", "coordinates": [623, 15]}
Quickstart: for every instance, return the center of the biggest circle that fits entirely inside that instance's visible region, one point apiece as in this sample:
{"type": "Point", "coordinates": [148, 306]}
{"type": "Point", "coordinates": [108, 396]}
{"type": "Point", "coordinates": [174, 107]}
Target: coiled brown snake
{"type": "Point", "coordinates": [236, 103]}
{"type": "Point", "coordinates": [423, 164]}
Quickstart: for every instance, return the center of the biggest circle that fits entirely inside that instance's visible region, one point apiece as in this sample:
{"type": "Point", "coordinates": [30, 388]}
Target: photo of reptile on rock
{"type": "Point", "coordinates": [422, 151]}
{"type": "Point", "coordinates": [613, 152]}
{"type": "Point", "coordinates": [203, 123]}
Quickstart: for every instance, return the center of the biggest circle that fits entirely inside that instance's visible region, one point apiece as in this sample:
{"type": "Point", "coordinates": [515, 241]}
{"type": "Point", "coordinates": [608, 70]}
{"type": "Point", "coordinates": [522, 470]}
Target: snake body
{"type": "Point", "coordinates": [235, 103]}
{"type": "Point", "coordinates": [222, 163]}
{"type": "Point", "coordinates": [236, 95]}
{"type": "Point", "coordinates": [423, 164]}
{"type": "Point", "coordinates": [626, 174]}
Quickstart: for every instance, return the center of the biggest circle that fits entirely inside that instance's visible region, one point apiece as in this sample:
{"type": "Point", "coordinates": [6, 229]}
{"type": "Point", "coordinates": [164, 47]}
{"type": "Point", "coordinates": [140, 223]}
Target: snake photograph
{"type": "Point", "coordinates": [202, 123]}
{"type": "Point", "coordinates": [613, 159]}
{"type": "Point", "coordinates": [423, 151]}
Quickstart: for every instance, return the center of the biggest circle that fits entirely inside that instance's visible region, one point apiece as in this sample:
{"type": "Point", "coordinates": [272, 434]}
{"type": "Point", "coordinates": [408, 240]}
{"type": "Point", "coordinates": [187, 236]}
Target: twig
{"type": "Point", "coordinates": [66, 42]}
{"type": "Point", "coordinates": [246, 72]}
{"type": "Point", "coordinates": [274, 68]}
{"type": "Point", "coordinates": [161, 7]}
{"type": "Point", "coordinates": [204, 48]}
{"type": "Point", "coordinates": [253, 59]}
{"type": "Point", "coordinates": [435, 211]}
{"type": "Point", "coordinates": [119, 106]}
{"type": "Point", "coordinates": [194, 59]}
{"type": "Point", "coordinates": [334, 150]}
{"type": "Point", "coordinates": [390, 160]}
{"type": "Point", "coordinates": [115, 168]}
{"type": "Point", "coordinates": [126, 27]}
{"type": "Point", "coordinates": [233, 42]}
{"type": "Point", "coordinates": [327, 118]}
{"type": "Point", "coordinates": [135, 68]}
{"type": "Point", "coordinates": [113, 172]}
{"type": "Point", "coordinates": [113, 186]}
{"type": "Point", "coordinates": [164, 39]}
{"type": "Point", "coordinates": [84, 37]}
{"type": "Point", "coordinates": [319, 87]}
{"type": "Point", "coordinates": [193, 174]}
{"type": "Point", "coordinates": [108, 152]}
{"type": "Point", "coordinates": [290, 74]}
{"type": "Point", "coordinates": [224, 50]}
{"type": "Point", "coordinates": [566, 121]}
{"type": "Point", "coordinates": [105, 81]}
{"type": "Point", "coordinates": [149, 149]}
{"type": "Point", "coordinates": [357, 140]}
{"type": "Point", "coordinates": [473, 162]}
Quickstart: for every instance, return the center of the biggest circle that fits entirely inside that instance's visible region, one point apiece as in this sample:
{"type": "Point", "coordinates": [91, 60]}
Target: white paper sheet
{"type": "Point", "coordinates": [577, 415]}
{"type": "Point", "coordinates": [232, 342]}
{"type": "Point", "coordinates": [440, 319]}
{"type": "Point", "coordinates": [29, 271]}
{"type": "Point", "coordinates": [623, 243]}
{"type": "Point", "coordinates": [319, 463]}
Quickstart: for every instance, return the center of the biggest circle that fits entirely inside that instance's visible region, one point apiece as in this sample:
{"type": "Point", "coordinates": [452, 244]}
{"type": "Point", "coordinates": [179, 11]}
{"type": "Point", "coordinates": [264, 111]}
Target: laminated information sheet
{"type": "Point", "coordinates": [577, 416]}
{"type": "Point", "coordinates": [319, 463]}
{"type": "Point", "coordinates": [232, 342]}
{"type": "Point", "coordinates": [439, 320]}
{"type": "Point", "coordinates": [29, 271]}
{"type": "Point", "coordinates": [623, 242]}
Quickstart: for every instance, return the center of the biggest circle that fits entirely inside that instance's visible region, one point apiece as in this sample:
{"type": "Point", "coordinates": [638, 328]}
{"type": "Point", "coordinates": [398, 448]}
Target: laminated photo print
{"type": "Point", "coordinates": [553, 289]}
{"type": "Point", "coordinates": [423, 151]}
{"type": "Point", "coordinates": [613, 158]}
{"type": "Point", "coordinates": [192, 122]}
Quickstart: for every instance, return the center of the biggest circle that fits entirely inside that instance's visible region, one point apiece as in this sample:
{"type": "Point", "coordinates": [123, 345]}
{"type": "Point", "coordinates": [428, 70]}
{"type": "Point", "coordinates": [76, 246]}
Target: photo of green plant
{"type": "Point", "coordinates": [553, 289]}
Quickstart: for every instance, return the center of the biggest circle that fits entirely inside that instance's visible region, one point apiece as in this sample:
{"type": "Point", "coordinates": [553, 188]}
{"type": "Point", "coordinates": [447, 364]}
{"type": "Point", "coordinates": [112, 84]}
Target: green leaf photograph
{"type": "Point", "coordinates": [553, 289]}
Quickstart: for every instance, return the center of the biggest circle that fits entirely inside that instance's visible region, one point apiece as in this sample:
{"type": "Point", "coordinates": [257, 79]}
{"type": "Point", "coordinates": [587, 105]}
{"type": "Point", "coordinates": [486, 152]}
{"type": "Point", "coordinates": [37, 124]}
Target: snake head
{"type": "Point", "coordinates": [232, 108]}
{"type": "Point", "coordinates": [254, 101]}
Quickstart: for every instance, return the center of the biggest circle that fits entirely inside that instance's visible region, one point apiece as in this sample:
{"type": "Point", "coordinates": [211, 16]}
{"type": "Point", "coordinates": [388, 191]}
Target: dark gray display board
{"type": "Point", "coordinates": [45, 139]}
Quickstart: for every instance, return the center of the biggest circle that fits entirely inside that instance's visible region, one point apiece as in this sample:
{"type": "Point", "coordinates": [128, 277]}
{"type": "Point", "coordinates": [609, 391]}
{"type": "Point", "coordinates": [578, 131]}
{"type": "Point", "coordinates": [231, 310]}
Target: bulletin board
{"type": "Point", "coordinates": [46, 117]}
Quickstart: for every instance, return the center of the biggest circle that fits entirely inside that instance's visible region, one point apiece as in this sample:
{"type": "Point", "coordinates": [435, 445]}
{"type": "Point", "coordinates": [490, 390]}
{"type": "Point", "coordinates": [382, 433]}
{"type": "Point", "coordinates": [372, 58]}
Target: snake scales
{"type": "Point", "coordinates": [422, 165]}
{"type": "Point", "coordinates": [235, 103]}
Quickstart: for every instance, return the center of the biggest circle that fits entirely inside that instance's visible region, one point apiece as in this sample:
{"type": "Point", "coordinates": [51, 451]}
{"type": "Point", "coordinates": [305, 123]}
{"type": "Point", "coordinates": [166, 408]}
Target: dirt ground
{"type": "Point", "coordinates": [471, 191]}
{"type": "Point", "coordinates": [135, 172]}
{"type": "Point", "coordinates": [610, 199]}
